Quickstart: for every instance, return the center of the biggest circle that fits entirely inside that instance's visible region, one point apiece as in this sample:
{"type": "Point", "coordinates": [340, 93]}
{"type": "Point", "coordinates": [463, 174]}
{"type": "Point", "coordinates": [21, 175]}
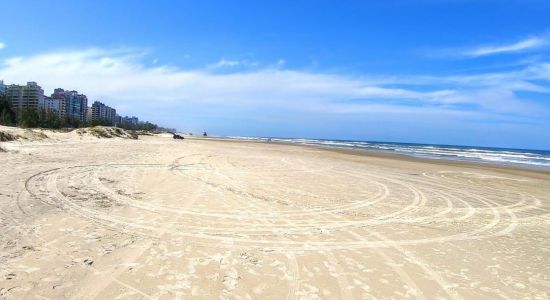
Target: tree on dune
{"type": "Point", "coordinates": [7, 114]}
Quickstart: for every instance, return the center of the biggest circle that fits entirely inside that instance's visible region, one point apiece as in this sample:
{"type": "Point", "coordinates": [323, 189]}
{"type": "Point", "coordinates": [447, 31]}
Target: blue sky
{"type": "Point", "coordinates": [450, 71]}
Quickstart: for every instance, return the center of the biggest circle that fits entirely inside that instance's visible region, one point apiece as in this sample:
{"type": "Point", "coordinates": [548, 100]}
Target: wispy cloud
{"type": "Point", "coordinates": [227, 63]}
{"type": "Point", "coordinates": [2, 45]}
{"type": "Point", "coordinates": [523, 45]}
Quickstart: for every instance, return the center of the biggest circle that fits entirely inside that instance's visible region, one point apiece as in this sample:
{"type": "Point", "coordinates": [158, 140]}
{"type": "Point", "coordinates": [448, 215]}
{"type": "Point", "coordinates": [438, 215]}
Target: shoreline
{"type": "Point", "coordinates": [395, 156]}
{"type": "Point", "coordinates": [514, 168]}
{"type": "Point", "coordinates": [354, 151]}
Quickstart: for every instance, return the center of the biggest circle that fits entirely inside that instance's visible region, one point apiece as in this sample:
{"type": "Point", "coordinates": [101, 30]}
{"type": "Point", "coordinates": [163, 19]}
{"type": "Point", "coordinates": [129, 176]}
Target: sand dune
{"type": "Point", "coordinates": [155, 218]}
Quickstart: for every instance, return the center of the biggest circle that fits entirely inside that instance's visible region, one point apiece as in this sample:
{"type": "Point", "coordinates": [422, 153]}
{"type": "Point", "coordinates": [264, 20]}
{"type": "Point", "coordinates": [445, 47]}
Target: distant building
{"type": "Point", "coordinates": [101, 111]}
{"type": "Point", "coordinates": [130, 120]}
{"type": "Point", "coordinates": [111, 114]}
{"type": "Point", "coordinates": [71, 104]}
{"type": "Point", "coordinates": [59, 94]}
{"type": "Point", "coordinates": [64, 102]}
{"type": "Point", "coordinates": [88, 115]}
{"type": "Point", "coordinates": [76, 105]}
{"type": "Point", "coordinates": [51, 104]}
{"type": "Point", "coordinates": [25, 96]}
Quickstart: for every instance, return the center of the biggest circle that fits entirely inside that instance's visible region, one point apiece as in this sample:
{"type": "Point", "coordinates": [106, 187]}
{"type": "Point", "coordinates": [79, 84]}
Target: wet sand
{"type": "Point", "coordinates": [155, 218]}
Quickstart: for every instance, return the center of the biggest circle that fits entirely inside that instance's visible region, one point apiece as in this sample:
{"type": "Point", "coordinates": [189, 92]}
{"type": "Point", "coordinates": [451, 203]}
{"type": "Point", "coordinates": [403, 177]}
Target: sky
{"type": "Point", "coordinates": [429, 71]}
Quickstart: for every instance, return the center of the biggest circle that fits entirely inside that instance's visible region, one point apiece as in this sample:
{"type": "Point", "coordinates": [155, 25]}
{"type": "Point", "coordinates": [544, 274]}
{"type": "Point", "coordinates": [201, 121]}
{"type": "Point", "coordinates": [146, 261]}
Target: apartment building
{"type": "Point", "coordinates": [51, 104]}
{"type": "Point", "coordinates": [25, 96]}
{"type": "Point", "coordinates": [130, 120]}
{"type": "Point", "coordinates": [77, 105]}
{"type": "Point", "coordinates": [101, 111]}
{"type": "Point", "coordinates": [71, 104]}
{"type": "Point", "coordinates": [59, 95]}
{"type": "Point", "coordinates": [88, 114]}
{"type": "Point", "coordinates": [64, 102]}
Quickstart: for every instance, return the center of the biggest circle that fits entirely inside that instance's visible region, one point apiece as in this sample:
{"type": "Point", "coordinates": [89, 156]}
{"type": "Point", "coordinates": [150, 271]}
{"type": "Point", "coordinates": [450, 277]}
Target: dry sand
{"type": "Point", "coordinates": [85, 218]}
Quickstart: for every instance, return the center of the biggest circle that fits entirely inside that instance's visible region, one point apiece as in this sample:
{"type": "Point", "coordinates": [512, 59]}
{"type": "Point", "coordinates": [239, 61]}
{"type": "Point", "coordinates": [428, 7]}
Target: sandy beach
{"type": "Point", "coordinates": [83, 217]}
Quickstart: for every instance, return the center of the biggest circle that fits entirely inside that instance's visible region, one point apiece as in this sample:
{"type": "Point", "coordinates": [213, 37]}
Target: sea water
{"type": "Point", "coordinates": [519, 157]}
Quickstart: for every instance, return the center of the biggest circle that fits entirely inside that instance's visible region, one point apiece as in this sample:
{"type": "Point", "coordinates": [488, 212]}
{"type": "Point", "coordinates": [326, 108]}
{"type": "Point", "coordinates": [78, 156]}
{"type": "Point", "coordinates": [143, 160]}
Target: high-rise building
{"type": "Point", "coordinates": [51, 104]}
{"type": "Point", "coordinates": [101, 111]}
{"type": "Point", "coordinates": [2, 87]}
{"type": "Point", "coordinates": [77, 105]}
{"type": "Point", "coordinates": [25, 96]}
{"type": "Point", "coordinates": [111, 114]}
{"type": "Point", "coordinates": [88, 115]}
{"type": "Point", "coordinates": [59, 94]}
{"type": "Point", "coordinates": [71, 104]}
{"type": "Point", "coordinates": [130, 120]}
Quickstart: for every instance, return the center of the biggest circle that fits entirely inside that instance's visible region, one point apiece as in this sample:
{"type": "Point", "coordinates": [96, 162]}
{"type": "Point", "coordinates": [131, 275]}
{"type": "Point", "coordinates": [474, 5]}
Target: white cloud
{"type": "Point", "coordinates": [225, 63]}
{"type": "Point", "coordinates": [530, 43]}
{"type": "Point", "coordinates": [118, 77]}
{"type": "Point", "coordinates": [2, 46]}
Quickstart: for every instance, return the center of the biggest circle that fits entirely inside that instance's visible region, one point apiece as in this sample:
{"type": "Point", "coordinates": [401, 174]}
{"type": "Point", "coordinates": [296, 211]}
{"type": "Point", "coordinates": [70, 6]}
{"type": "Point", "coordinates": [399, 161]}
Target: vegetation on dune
{"type": "Point", "coordinates": [7, 113]}
{"type": "Point", "coordinates": [147, 126]}
{"type": "Point", "coordinates": [40, 118]}
{"type": "Point", "coordinates": [34, 135]}
{"type": "Point", "coordinates": [7, 137]}
{"type": "Point", "coordinates": [108, 132]}
{"type": "Point", "coordinates": [100, 122]}
{"type": "Point", "coordinates": [33, 118]}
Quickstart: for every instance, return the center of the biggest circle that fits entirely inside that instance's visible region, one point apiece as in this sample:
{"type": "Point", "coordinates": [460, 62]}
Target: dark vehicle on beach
{"type": "Point", "coordinates": [178, 137]}
{"type": "Point", "coordinates": [204, 134]}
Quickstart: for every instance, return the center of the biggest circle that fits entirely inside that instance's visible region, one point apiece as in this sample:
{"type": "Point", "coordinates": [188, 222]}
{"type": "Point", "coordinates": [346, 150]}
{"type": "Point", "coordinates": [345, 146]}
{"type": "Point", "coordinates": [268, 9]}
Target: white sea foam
{"type": "Point", "coordinates": [536, 158]}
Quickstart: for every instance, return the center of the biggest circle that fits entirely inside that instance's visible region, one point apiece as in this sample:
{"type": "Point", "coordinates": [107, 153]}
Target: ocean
{"type": "Point", "coordinates": [502, 156]}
